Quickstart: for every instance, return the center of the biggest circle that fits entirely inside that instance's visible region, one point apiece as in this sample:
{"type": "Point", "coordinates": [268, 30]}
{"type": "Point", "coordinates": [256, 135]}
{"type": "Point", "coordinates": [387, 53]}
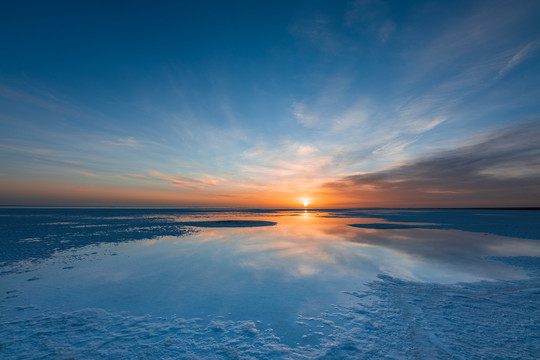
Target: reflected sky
{"type": "Point", "coordinates": [271, 274]}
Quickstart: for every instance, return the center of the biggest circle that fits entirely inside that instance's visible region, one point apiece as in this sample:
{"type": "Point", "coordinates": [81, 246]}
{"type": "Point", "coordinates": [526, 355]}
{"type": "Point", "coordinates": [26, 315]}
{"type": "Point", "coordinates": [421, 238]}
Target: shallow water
{"type": "Point", "coordinates": [290, 290]}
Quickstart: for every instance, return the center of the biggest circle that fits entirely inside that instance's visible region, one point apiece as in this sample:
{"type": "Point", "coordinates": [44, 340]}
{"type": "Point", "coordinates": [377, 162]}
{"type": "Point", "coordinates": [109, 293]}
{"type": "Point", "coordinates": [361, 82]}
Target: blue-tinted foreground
{"type": "Point", "coordinates": [135, 283]}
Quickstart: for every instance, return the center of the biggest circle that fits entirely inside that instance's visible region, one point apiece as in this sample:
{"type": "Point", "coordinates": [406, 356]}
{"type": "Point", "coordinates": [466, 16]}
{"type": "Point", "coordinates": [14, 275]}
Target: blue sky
{"type": "Point", "coordinates": [267, 103]}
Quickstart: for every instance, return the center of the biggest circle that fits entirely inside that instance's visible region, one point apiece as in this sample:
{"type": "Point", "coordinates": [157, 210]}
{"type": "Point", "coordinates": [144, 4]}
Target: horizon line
{"type": "Point", "coordinates": [261, 208]}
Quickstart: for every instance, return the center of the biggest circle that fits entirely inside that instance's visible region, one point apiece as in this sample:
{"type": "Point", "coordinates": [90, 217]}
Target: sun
{"type": "Point", "coordinates": [305, 202]}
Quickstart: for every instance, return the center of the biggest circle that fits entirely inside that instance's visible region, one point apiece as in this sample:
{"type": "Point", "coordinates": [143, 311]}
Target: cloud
{"type": "Point", "coordinates": [287, 166]}
{"type": "Point", "coordinates": [474, 36]}
{"type": "Point", "coordinates": [53, 157]}
{"type": "Point", "coordinates": [86, 173]}
{"type": "Point", "coordinates": [128, 176]}
{"type": "Point", "coordinates": [26, 149]}
{"type": "Point", "coordinates": [138, 176]}
{"type": "Point", "coordinates": [129, 142]}
{"type": "Point", "coordinates": [425, 123]}
{"type": "Point", "coordinates": [188, 182]}
{"type": "Point", "coordinates": [446, 78]}
{"type": "Point", "coordinates": [319, 116]}
{"type": "Point", "coordinates": [303, 117]}
{"type": "Point", "coordinates": [355, 116]}
{"type": "Point", "coordinates": [36, 96]}
{"type": "Point", "coordinates": [503, 169]}
{"type": "Point", "coordinates": [48, 103]}
{"type": "Point", "coordinates": [394, 146]}
{"type": "Point", "coordinates": [518, 58]}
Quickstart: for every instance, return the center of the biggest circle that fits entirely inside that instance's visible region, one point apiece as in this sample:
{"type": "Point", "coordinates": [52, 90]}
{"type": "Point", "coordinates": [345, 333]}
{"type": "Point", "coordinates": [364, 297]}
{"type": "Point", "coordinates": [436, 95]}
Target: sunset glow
{"type": "Point", "coordinates": [360, 103]}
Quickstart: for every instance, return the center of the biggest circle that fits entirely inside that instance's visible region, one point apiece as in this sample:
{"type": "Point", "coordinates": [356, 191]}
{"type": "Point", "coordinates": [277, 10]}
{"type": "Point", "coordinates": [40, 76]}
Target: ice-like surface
{"type": "Point", "coordinates": [32, 234]}
{"type": "Point", "coordinates": [393, 319]}
{"type": "Point", "coordinates": [309, 287]}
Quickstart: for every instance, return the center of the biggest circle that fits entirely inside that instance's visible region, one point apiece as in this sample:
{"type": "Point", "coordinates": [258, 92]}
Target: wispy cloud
{"type": "Point", "coordinates": [36, 96]}
{"type": "Point", "coordinates": [47, 103]}
{"type": "Point", "coordinates": [441, 74]}
{"type": "Point", "coordinates": [188, 182]}
{"type": "Point", "coordinates": [321, 117]}
{"type": "Point", "coordinates": [86, 173]}
{"type": "Point", "coordinates": [138, 176]}
{"type": "Point", "coordinates": [518, 58]}
{"type": "Point", "coordinates": [394, 146]}
{"type": "Point", "coordinates": [131, 176]}
{"type": "Point", "coordinates": [129, 142]}
{"type": "Point", "coordinates": [473, 36]}
{"type": "Point", "coordinates": [506, 165]}
{"type": "Point", "coordinates": [43, 155]}
{"type": "Point", "coordinates": [26, 149]}
{"type": "Point", "coordinates": [287, 167]}
{"type": "Point", "coordinates": [304, 118]}
{"type": "Point", "coordinates": [177, 181]}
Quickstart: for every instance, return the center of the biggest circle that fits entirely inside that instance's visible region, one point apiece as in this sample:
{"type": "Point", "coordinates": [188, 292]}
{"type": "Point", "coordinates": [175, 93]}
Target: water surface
{"type": "Point", "coordinates": [213, 266]}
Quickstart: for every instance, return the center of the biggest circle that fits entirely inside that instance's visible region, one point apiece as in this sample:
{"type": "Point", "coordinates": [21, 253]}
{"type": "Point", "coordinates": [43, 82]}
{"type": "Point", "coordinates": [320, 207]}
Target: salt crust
{"type": "Point", "coordinates": [393, 319]}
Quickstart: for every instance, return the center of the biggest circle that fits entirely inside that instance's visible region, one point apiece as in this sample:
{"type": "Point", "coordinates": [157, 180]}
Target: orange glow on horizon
{"type": "Point", "coordinates": [95, 192]}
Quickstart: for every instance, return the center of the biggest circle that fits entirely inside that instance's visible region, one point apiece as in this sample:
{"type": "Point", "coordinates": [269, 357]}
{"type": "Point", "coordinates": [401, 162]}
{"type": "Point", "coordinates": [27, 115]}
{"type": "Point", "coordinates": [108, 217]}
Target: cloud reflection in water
{"type": "Point", "coordinates": [318, 245]}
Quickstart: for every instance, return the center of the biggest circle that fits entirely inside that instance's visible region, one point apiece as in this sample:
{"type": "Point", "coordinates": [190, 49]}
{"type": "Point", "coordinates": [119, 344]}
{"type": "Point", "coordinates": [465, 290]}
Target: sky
{"type": "Point", "coordinates": [365, 103]}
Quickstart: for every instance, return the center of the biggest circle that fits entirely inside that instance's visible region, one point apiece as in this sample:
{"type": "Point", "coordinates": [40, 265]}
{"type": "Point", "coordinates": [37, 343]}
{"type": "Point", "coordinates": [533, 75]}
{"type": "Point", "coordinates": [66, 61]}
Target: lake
{"type": "Point", "coordinates": [180, 283]}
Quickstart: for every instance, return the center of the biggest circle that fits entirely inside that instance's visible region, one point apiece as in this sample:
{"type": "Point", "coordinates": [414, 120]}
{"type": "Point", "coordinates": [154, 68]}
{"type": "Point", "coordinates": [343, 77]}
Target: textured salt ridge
{"type": "Point", "coordinates": [95, 333]}
{"type": "Point", "coordinates": [394, 319]}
